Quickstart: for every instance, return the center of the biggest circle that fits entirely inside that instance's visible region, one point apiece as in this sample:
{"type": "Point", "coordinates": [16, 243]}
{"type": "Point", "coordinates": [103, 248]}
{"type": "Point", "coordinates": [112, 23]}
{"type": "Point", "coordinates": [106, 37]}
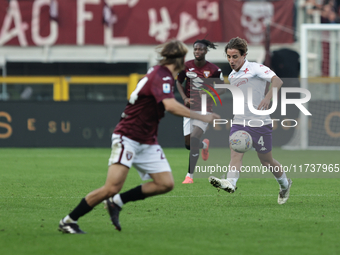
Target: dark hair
{"type": "Point", "coordinates": [206, 43]}
{"type": "Point", "coordinates": [237, 44]}
{"type": "Point", "coordinates": [172, 52]}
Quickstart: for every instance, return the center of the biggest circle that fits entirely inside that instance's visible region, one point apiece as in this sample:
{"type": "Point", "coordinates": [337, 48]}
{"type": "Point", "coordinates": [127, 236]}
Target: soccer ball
{"type": "Point", "coordinates": [241, 141]}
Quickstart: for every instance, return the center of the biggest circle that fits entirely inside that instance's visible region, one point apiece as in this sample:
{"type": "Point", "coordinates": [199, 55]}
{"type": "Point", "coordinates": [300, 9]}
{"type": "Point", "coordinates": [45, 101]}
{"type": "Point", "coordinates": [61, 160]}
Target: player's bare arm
{"type": "Point", "coordinates": [187, 101]}
{"type": "Point", "coordinates": [173, 106]}
{"type": "Point", "coordinates": [276, 82]}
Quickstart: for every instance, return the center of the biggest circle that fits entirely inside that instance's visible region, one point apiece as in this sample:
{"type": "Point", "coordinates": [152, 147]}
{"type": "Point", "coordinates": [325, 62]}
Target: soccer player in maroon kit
{"type": "Point", "coordinates": [134, 141]}
{"type": "Point", "coordinates": [193, 129]}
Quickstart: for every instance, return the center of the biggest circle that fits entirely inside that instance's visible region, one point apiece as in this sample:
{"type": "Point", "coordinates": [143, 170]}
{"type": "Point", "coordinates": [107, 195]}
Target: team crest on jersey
{"type": "Point", "coordinates": [166, 88]}
{"type": "Point", "coordinates": [206, 74]}
{"type": "Point", "coordinates": [191, 75]}
{"type": "Point", "coordinates": [129, 155]}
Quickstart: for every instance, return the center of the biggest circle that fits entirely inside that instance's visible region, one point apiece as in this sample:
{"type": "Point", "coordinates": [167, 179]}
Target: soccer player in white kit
{"type": "Point", "coordinates": [134, 141]}
{"type": "Point", "coordinates": [252, 75]}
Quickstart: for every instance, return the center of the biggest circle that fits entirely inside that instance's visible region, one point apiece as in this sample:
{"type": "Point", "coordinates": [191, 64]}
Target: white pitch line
{"type": "Point", "coordinates": [262, 195]}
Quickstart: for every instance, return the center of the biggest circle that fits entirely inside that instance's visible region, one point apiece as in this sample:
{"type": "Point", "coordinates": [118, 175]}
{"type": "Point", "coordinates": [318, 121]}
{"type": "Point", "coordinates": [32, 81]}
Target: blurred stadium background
{"type": "Point", "coordinates": [68, 67]}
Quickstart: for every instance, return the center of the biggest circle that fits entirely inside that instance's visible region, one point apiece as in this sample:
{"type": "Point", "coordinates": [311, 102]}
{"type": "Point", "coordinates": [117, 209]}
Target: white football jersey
{"type": "Point", "coordinates": [255, 76]}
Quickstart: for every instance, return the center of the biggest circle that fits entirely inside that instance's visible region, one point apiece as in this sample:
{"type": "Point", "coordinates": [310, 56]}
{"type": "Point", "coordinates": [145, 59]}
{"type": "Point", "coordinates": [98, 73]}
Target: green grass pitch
{"type": "Point", "coordinates": [40, 186]}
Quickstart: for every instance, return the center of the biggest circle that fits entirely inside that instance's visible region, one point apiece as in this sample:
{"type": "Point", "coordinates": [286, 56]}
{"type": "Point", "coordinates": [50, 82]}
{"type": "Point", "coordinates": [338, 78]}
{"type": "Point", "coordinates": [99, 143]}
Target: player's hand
{"type": "Point", "coordinates": [210, 117]}
{"type": "Point", "coordinates": [264, 105]}
{"type": "Point", "coordinates": [188, 101]}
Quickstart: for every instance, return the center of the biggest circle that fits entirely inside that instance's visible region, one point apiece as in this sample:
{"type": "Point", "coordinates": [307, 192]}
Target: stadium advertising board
{"type": "Point", "coordinates": [71, 124]}
{"type": "Point", "coordinates": [124, 22]}
{"type": "Point", "coordinates": [90, 124]}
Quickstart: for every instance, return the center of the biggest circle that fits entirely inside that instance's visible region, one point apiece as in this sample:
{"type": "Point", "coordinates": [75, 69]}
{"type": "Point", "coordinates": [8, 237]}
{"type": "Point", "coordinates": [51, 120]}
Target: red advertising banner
{"type": "Point", "coordinates": [124, 22]}
{"type": "Point", "coordinates": [86, 22]}
{"type": "Point", "coordinates": [248, 19]}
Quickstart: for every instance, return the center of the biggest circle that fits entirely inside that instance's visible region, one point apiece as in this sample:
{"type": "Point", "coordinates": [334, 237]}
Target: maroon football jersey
{"type": "Point", "coordinates": [142, 114]}
{"type": "Point", "coordinates": [191, 72]}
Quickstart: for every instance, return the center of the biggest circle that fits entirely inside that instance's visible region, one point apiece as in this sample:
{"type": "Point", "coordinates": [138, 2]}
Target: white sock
{"type": "Point", "coordinates": [117, 199]}
{"type": "Point", "coordinates": [190, 175]}
{"type": "Point", "coordinates": [68, 219]}
{"type": "Point", "coordinates": [204, 145]}
{"type": "Point", "coordinates": [283, 181]}
{"type": "Point", "coordinates": [232, 176]}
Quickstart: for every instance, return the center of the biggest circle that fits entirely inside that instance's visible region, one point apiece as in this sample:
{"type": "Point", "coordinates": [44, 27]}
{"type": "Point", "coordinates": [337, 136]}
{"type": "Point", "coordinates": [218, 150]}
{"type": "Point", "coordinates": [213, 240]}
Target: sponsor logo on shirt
{"type": "Point", "coordinates": [268, 71]}
{"type": "Point", "coordinates": [191, 75]}
{"type": "Point", "coordinates": [191, 69]}
{"type": "Point", "coordinates": [166, 88]}
{"type": "Point", "coordinates": [206, 74]}
{"type": "Point", "coordinates": [166, 78]}
{"type": "Point", "coordinates": [247, 70]}
{"type": "Point", "coordinates": [243, 81]}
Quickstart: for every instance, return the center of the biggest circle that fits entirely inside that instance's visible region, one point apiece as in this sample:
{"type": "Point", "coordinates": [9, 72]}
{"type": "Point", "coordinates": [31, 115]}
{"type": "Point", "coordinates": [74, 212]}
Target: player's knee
{"type": "Point", "coordinates": [194, 143]}
{"type": "Point", "coordinates": [166, 187]}
{"type": "Point", "coordinates": [169, 186]}
{"type": "Point", "coordinates": [112, 190]}
{"type": "Point", "coordinates": [187, 146]}
{"type": "Point", "coordinates": [266, 163]}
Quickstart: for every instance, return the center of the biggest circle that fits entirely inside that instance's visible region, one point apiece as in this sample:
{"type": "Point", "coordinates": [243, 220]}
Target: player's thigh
{"type": "Point", "coordinates": [197, 132]}
{"type": "Point", "coordinates": [150, 159]}
{"type": "Point", "coordinates": [116, 175]}
{"type": "Point", "coordinates": [200, 124]}
{"type": "Point", "coordinates": [235, 155]}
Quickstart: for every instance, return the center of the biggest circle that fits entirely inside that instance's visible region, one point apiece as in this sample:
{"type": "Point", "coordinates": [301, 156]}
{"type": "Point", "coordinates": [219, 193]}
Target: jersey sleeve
{"type": "Point", "coordinates": [162, 87]}
{"type": "Point", "coordinates": [218, 74]}
{"type": "Point", "coordinates": [264, 72]}
{"type": "Point", "coordinates": [181, 77]}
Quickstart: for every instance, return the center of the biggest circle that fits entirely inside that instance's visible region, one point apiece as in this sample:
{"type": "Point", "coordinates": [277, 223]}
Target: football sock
{"type": "Point", "coordinates": [283, 181]}
{"type": "Point", "coordinates": [203, 145]}
{"type": "Point", "coordinates": [132, 195]}
{"type": "Point", "coordinates": [194, 154]}
{"type": "Point", "coordinates": [118, 200]}
{"type": "Point", "coordinates": [81, 209]}
{"type": "Point", "coordinates": [190, 175]}
{"type": "Point", "coordinates": [232, 176]}
{"type": "Point", "coordinates": [68, 219]}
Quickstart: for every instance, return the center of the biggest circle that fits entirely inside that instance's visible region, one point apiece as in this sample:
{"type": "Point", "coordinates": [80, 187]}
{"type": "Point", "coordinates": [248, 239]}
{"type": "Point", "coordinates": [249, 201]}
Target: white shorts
{"type": "Point", "coordinates": [189, 123]}
{"type": "Point", "coordinates": [145, 158]}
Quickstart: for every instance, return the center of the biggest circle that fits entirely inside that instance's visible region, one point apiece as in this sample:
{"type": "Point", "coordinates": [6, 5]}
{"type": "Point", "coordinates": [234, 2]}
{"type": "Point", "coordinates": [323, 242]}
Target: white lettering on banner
{"type": "Point", "coordinates": [188, 27]}
{"type": "Point", "coordinates": [35, 27]}
{"type": "Point", "coordinates": [13, 14]}
{"type": "Point", "coordinates": [160, 30]}
{"type": "Point", "coordinates": [207, 10]}
{"type": "Point", "coordinates": [82, 16]}
{"type": "Point", "coordinates": [109, 38]}
{"type": "Point", "coordinates": [130, 3]}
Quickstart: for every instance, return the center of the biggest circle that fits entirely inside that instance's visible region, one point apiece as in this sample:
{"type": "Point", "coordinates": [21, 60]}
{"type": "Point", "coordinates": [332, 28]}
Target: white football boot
{"type": "Point", "coordinates": [222, 184]}
{"type": "Point", "coordinates": [284, 194]}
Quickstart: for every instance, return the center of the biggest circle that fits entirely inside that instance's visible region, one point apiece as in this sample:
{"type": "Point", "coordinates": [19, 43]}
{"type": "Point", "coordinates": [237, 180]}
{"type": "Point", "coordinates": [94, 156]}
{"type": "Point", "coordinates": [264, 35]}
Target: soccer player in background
{"type": "Point", "coordinates": [194, 129]}
{"type": "Point", "coordinates": [134, 141]}
{"type": "Point", "coordinates": [255, 76]}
